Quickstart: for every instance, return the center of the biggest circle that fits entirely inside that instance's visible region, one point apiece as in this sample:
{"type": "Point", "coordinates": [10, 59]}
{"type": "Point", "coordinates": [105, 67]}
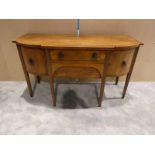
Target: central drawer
{"type": "Point", "coordinates": [80, 55]}
{"type": "Point", "coordinates": [81, 69]}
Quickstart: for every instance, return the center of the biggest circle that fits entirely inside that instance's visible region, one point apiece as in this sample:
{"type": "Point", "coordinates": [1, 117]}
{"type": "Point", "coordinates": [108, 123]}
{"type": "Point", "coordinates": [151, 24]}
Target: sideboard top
{"type": "Point", "coordinates": [72, 41]}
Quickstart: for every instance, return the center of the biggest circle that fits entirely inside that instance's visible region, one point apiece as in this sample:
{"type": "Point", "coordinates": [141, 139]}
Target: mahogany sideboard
{"type": "Point", "coordinates": [71, 57]}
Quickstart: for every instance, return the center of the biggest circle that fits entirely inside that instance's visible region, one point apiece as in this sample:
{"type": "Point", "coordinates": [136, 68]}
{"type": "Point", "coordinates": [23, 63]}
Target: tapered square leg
{"type": "Point", "coordinates": [25, 71]}
{"type": "Point", "coordinates": [29, 84]}
{"type": "Point", "coordinates": [53, 91]}
{"type": "Point", "coordinates": [116, 80]}
{"type": "Point", "coordinates": [103, 77]}
{"type": "Point", "coordinates": [130, 71]}
{"type": "Point", "coordinates": [38, 78]}
{"type": "Point", "coordinates": [101, 92]}
{"type": "Point", "coordinates": [51, 76]}
{"type": "Point", "coordinates": [126, 85]}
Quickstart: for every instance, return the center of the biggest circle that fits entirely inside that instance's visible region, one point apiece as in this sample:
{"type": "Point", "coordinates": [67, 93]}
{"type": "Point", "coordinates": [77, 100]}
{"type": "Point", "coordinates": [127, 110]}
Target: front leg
{"type": "Point", "coordinates": [38, 78]}
{"type": "Point", "coordinates": [24, 70]}
{"type": "Point", "coordinates": [53, 91]}
{"type": "Point", "coordinates": [101, 91]}
{"type": "Point", "coordinates": [116, 80]}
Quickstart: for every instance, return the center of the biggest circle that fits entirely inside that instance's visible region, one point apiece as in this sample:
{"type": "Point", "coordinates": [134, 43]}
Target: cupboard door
{"type": "Point", "coordinates": [119, 63]}
{"type": "Point", "coordinates": [35, 60]}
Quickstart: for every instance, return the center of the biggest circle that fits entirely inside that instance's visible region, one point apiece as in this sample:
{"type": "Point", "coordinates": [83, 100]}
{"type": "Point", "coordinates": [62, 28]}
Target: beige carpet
{"type": "Point", "coordinates": [77, 111]}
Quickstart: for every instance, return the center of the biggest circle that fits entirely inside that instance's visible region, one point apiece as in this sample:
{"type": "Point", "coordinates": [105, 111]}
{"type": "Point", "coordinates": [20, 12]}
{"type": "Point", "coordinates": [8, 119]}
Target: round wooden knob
{"type": "Point", "coordinates": [94, 56]}
{"type": "Point", "coordinates": [31, 61]}
{"type": "Point", "coordinates": [123, 63]}
{"type": "Point", "coordinates": [61, 55]}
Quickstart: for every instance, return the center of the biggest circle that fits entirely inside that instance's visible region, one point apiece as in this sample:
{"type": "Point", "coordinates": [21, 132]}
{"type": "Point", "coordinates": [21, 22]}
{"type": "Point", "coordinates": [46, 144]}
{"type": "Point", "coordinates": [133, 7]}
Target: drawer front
{"type": "Point", "coordinates": [77, 70]}
{"type": "Point", "coordinates": [35, 60]}
{"type": "Point", "coordinates": [119, 63]}
{"type": "Point", "coordinates": [77, 73]}
{"type": "Point", "coordinates": [77, 55]}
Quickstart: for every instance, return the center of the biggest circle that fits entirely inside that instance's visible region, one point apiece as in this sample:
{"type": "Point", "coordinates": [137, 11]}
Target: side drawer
{"type": "Point", "coordinates": [77, 55]}
{"type": "Point", "coordinates": [35, 60]}
{"type": "Point", "coordinates": [119, 63]}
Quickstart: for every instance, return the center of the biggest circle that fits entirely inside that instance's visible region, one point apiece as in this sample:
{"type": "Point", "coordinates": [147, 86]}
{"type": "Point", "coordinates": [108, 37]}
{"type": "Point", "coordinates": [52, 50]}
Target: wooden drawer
{"type": "Point", "coordinates": [119, 63]}
{"type": "Point", "coordinates": [77, 55]}
{"type": "Point", "coordinates": [77, 73]}
{"type": "Point", "coordinates": [35, 60]}
{"type": "Point", "coordinates": [77, 70]}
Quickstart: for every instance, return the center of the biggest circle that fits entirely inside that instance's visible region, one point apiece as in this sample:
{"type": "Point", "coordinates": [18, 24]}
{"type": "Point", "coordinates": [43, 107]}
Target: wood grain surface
{"type": "Point", "coordinates": [84, 41]}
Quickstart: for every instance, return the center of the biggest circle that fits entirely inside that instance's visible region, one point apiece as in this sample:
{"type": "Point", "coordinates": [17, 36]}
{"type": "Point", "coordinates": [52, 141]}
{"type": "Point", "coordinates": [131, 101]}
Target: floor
{"type": "Point", "coordinates": [77, 111]}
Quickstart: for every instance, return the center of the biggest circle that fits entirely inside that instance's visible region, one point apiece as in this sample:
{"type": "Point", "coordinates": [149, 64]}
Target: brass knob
{"type": "Point", "coordinates": [123, 63]}
{"type": "Point", "coordinates": [61, 55]}
{"type": "Point", "coordinates": [94, 56]}
{"type": "Point", "coordinates": [31, 61]}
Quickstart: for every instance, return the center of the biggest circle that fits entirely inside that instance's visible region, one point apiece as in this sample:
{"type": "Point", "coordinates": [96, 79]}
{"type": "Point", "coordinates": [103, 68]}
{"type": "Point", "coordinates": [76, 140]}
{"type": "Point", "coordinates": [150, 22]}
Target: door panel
{"type": "Point", "coordinates": [35, 60]}
{"type": "Point", "coordinates": [119, 63]}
